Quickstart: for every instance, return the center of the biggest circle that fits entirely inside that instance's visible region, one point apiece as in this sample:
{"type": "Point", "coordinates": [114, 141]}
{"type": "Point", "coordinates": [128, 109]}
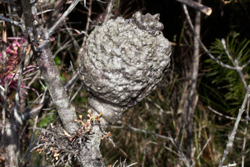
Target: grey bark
{"type": "Point", "coordinates": [197, 5]}
{"type": "Point", "coordinates": [39, 38]}
{"type": "Point", "coordinates": [54, 83]}
{"type": "Point", "coordinates": [193, 97]}
{"type": "Point", "coordinates": [91, 156]}
{"type": "Point", "coordinates": [11, 143]}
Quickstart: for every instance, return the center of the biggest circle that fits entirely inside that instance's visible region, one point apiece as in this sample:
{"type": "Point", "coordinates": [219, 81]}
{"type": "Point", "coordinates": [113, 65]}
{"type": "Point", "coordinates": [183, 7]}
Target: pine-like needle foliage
{"type": "Point", "coordinates": [226, 84]}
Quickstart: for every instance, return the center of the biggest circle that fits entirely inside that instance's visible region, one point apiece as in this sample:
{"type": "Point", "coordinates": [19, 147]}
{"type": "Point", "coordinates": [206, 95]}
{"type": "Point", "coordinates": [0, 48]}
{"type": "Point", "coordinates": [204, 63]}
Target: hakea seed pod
{"type": "Point", "coordinates": [123, 61]}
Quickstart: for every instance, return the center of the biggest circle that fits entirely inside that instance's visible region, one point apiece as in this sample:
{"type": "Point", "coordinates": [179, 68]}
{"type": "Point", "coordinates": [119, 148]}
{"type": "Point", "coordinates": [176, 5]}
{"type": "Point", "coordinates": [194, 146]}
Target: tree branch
{"type": "Point", "coordinates": [235, 63]}
{"type": "Point", "coordinates": [54, 83]}
{"type": "Point", "coordinates": [65, 14]}
{"type": "Point", "coordinates": [193, 97]}
{"type": "Point", "coordinates": [245, 136]}
{"type": "Point", "coordinates": [202, 45]}
{"type": "Point", "coordinates": [233, 133]}
{"type": "Point", "coordinates": [109, 11]}
{"type": "Point", "coordinates": [198, 6]}
{"type": "Point", "coordinates": [16, 23]}
{"type": "Point", "coordinates": [39, 38]}
{"type": "Point", "coordinates": [33, 112]}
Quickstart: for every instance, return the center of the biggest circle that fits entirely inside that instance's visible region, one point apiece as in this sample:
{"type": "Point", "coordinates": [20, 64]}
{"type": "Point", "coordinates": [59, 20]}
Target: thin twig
{"type": "Point", "coordinates": [245, 136]}
{"type": "Point", "coordinates": [72, 37]}
{"type": "Point", "coordinates": [33, 112]}
{"type": "Point", "coordinates": [230, 165]}
{"type": "Point", "coordinates": [174, 152]}
{"type": "Point", "coordinates": [245, 65]}
{"type": "Point", "coordinates": [45, 11]}
{"type": "Point", "coordinates": [20, 77]}
{"type": "Point", "coordinates": [86, 30]}
{"type": "Point", "coordinates": [38, 73]}
{"type": "Point", "coordinates": [66, 45]}
{"type": "Point", "coordinates": [72, 80]}
{"type": "Point", "coordinates": [33, 133]}
{"type": "Point", "coordinates": [65, 14]}
{"type": "Point", "coordinates": [4, 113]}
{"type": "Point", "coordinates": [31, 140]}
{"type": "Point", "coordinates": [111, 141]}
{"type": "Point", "coordinates": [78, 90]}
{"type": "Point", "coordinates": [132, 164]}
{"type": "Point", "coordinates": [202, 45]}
{"type": "Point", "coordinates": [223, 115]}
{"type": "Point", "coordinates": [34, 146]}
{"type": "Point", "coordinates": [11, 21]}
{"type": "Point", "coordinates": [141, 130]}
{"type": "Point", "coordinates": [233, 133]}
{"type": "Point", "coordinates": [198, 6]}
{"type": "Point", "coordinates": [2, 90]}
{"type": "Point", "coordinates": [5, 89]}
{"type": "Point", "coordinates": [148, 132]}
{"type": "Point", "coordinates": [235, 63]}
{"type": "Point", "coordinates": [4, 53]}
{"type": "Point", "coordinates": [108, 11]}
{"type": "Point", "coordinates": [201, 152]}
{"type": "Point", "coordinates": [183, 157]}
{"type": "Point", "coordinates": [12, 26]}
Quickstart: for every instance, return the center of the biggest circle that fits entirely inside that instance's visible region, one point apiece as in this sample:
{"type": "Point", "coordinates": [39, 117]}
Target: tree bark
{"type": "Point", "coordinates": [54, 83]}
{"type": "Point", "coordinates": [92, 157]}
{"type": "Point", "coordinates": [39, 39]}
{"type": "Point", "coordinates": [11, 143]}
{"type": "Point", "coordinates": [193, 97]}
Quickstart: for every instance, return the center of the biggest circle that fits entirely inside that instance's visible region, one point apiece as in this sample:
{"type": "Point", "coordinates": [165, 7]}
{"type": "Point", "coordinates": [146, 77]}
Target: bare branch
{"type": "Point", "coordinates": [72, 37]}
{"type": "Point", "coordinates": [31, 140]}
{"type": "Point", "coordinates": [230, 165]}
{"type": "Point", "coordinates": [245, 136]}
{"type": "Point", "coordinates": [16, 23]}
{"type": "Point", "coordinates": [202, 45]}
{"type": "Point", "coordinates": [11, 2]}
{"type": "Point", "coordinates": [11, 16]}
{"type": "Point", "coordinates": [183, 157]}
{"type": "Point", "coordinates": [193, 97]}
{"type": "Point", "coordinates": [4, 113]}
{"type": "Point", "coordinates": [233, 133]}
{"type": "Point", "coordinates": [201, 152]}
{"type": "Point", "coordinates": [109, 11]}
{"type": "Point", "coordinates": [245, 65]}
{"type": "Point", "coordinates": [223, 115]}
{"type": "Point", "coordinates": [198, 6]}
{"type": "Point", "coordinates": [65, 14]}
{"type": "Point", "coordinates": [33, 112]}
{"type": "Point", "coordinates": [20, 77]}
{"type": "Point", "coordinates": [72, 80]}
{"type": "Point", "coordinates": [80, 52]}
{"type": "Point", "coordinates": [46, 11]}
{"type": "Point", "coordinates": [78, 90]}
{"type": "Point", "coordinates": [235, 63]}
{"type": "Point", "coordinates": [148, 132]}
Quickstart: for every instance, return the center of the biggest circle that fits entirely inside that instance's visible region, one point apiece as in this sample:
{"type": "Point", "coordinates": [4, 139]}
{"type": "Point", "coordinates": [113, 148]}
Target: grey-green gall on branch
{"type": "Point", "coordinates": [123, 61]}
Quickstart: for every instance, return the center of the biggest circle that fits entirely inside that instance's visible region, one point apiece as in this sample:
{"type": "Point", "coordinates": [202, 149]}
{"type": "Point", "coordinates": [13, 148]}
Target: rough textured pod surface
{"type": "Point", "coordinates": [123, 62]}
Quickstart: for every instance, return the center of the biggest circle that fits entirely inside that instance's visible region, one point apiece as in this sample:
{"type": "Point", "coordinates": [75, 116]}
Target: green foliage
{"type": "Point", "coordinates": [45, 122]}
{"type": "Point", "coordinates": [223, 81]}
{"type": "Point", "coordinates": [57, 60]}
